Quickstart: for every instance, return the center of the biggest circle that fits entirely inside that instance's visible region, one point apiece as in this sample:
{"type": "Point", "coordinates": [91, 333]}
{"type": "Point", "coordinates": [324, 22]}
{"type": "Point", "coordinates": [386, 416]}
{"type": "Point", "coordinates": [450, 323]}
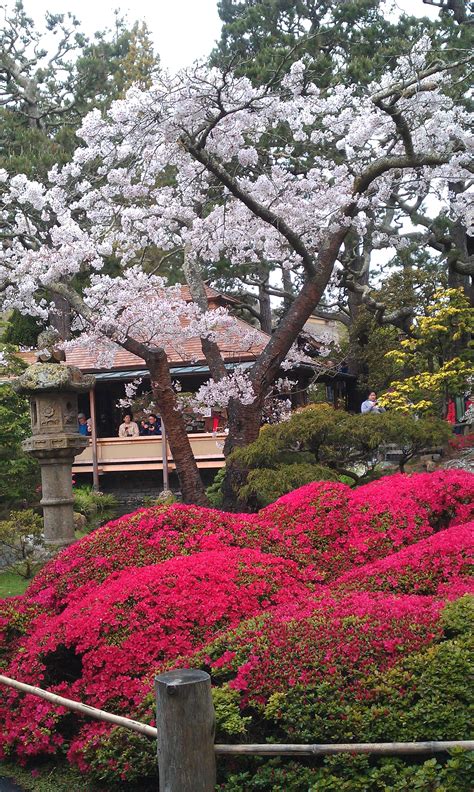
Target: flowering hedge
{"type": "Point", "coordinates": [336, 527]}
{"type": "Point", "coordinates": [329, 636]}
{"type": "Point", "coordinates": [442, 565]}
{"type": "Point", "coordinates": [326, 589]}
{"type": "Point", "coordinates": [101, 646]}
{"type": "Point", "coordinates": [323, 523]}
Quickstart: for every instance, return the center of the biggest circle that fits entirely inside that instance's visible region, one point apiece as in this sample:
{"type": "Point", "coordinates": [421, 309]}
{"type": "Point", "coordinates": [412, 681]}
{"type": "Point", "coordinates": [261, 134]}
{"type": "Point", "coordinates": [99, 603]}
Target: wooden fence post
{"type": "Point", "coordinates": [186, 726]}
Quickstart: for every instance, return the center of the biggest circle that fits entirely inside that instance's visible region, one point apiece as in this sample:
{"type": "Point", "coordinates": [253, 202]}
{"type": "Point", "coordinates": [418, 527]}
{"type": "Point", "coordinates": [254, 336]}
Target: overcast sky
{"type": "Point", "coordinates": [182, 30]}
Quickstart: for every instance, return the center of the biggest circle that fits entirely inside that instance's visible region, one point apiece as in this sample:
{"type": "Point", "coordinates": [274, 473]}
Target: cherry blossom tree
{"type": "Point", "coordinates": [208, 162]}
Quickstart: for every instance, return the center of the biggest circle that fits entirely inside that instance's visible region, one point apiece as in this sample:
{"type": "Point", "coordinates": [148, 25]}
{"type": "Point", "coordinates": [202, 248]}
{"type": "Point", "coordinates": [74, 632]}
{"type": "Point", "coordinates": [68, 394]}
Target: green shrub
{"type": "Point", "coordinates": [19, 472]}
{"type": "Point", "coordinates": [426, 696]}
{"type": "Point", "coordinates": [349, 773]}
{"type": "Point", "coordinates": [264, 486]}
{"type": "Point", "coordinates": [335, 444]}
{"type": "Point", "coordinates": [22, 547]}
{"type": "Point", "coordinates": [97, 507]}
{"type": "Point", "coordinates": [214, 492]}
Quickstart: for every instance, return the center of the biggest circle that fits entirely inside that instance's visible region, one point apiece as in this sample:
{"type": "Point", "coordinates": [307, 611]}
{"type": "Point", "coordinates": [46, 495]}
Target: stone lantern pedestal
{"type": "Point", "coordinates": [52, 389]}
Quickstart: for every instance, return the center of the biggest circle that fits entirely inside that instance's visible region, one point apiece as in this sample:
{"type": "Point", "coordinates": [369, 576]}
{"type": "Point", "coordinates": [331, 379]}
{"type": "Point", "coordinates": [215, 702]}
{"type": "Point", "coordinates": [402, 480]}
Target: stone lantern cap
{"type": "Point", "coordinates": [53, 377]}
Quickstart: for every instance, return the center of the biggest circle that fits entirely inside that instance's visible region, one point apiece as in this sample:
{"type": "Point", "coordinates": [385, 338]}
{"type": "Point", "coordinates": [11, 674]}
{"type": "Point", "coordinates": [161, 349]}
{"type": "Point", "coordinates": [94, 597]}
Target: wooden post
{"type": "Point", "coordinates": [95, 466]}
{"type": "Point", "coordinates": [186, 725]}
{"type": "Point", "coordinates": [164, 457]}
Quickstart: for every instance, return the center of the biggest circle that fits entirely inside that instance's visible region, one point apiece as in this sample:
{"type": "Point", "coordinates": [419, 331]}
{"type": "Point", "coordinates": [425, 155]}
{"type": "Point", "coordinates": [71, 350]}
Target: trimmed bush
{"type": "Point", "coordinates": [331, 442]}
{"type": "Point", "coordinates": [102, 646]}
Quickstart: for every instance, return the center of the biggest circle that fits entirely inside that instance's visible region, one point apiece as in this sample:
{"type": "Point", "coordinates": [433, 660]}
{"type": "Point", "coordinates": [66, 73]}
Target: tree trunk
{"type": "Point", "coordinates": [265, 309]}
{"type": "Point", "coordinates": [192, 488]}
{"type": "Point", "coordinates": [459, 9]}
{"type": "Point", "coordinates": [461, 254]}
{"type": "Point", "coordinates": [197, 288]}
{"type": "Point", "coordinates": [287, 287]}
{"type": "Point", "coordinates": [244, 427]}
{"type": "Point", "coordinates": [245, 420]}
{"type": "Point", "coordinates": [60, 317]}
{"type": "Point", "coordinates": [267, 365]}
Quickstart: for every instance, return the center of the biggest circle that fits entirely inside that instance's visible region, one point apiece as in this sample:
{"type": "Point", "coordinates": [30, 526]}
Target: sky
{"type": "Point", "coordinates": [182, 30]}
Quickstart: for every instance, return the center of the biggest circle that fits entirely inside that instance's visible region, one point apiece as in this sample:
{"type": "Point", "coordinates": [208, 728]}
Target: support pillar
{"type": "Point", "coordinates": [164, 457]}
{"type": "Point", "coordinates": [95, 464]}
{"type": "Point", "coordinates": [185, 722]}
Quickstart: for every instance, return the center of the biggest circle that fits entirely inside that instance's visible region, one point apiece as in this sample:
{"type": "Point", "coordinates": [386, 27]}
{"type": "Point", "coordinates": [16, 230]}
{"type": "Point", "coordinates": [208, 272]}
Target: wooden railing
{"type": "Point", "coordinates": [146, 453]}
{"type": "Point", "coordinates": [185, 733]}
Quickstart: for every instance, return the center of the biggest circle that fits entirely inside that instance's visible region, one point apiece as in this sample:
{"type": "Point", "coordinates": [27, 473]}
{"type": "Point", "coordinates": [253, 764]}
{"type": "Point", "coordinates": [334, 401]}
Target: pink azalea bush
{"type": "Point", "coordinates": [330, 635]}
{"type": "Point", "coordinates": [145, 537]}
{"type": "Point", "coordinates": [138, 619]}
{"type": "Point", "coordinates": [327, 586]}
{"type": "Point", "coordinates": [440, 564]}
{"type": "Point", "coordinates": [323, 523]}
{"type": "Point", "coordinates": [336, 527]}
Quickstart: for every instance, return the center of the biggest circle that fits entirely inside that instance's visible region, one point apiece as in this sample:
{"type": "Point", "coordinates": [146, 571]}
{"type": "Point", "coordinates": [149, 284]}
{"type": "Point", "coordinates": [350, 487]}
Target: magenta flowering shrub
{"type": "Point", "coordinates": [324, 523]}
{"type": "Point", "coordinates": [442, 564]}
{"type": "Point", "coordinates": [329, 637]}
{"type": "Point", "coordinates": [145, 537]}
{"type": "Point", "coordinates": [335, 527]}
{"type": "Point", "coordinates": [101, 647]}
{"type": "Point", "coordinates": [328, 585]}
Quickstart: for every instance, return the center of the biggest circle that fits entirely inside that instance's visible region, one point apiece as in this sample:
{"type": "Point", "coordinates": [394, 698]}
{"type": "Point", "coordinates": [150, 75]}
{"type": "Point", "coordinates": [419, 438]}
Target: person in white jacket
{"type": "Point", "coordinates": [128, 428]}
{"type": "Point", "coordinates": [370, 404]}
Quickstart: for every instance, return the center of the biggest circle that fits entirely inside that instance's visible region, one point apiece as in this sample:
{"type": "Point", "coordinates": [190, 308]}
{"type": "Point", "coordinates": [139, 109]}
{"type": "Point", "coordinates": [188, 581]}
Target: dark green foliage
{"type": "Point", "coordinates": [29, 150]}
{"type": "Point", "coordinates": [19, 472]}
{"type": "Point", "coordinates": [214, 491]}
{"type": "Point", "coordinates": [21, 330]}
{"type": "Point", "coordinates": [348, 773]}
{"type": "Point", "coordinates": [352, 40]}
{"type": "Point", "coordinates": [324, 443]}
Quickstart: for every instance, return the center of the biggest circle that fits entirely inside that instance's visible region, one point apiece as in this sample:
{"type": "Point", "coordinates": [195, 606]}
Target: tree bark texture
{"type": "Point", "coordinates": [186, 467]}
{"type": "Point", "coordinates": [265, 309]}
{"type": "Point", "coordinates": [197, 288]}
{"type": "Point", "coordinates": [60, 317]}
{"type": "Point", "coordinates": [244, 426]}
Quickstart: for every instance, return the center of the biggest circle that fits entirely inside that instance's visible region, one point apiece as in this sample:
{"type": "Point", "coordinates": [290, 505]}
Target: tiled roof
{"type": "Point", "coordinates": [213, 296]}
{"type": "Point", "coordinates": [232, 344]}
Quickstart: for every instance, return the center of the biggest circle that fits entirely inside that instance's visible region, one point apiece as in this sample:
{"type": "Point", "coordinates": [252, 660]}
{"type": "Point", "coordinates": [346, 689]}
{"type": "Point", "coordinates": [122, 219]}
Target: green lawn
{"type": "Point", "coordinates": [11, 584]}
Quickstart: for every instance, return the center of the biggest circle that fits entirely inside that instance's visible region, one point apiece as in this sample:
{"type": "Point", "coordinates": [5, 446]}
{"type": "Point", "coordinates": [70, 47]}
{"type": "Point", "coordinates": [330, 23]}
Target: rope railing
{"type": "Point", "coordinates": [186, 747]}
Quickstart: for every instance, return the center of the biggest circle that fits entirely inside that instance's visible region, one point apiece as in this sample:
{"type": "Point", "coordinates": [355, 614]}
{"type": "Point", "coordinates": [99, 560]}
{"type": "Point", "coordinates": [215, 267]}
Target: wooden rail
{"type": "Point", "coordinates": [115, 454]}
{"type": "Point", "coordinates": [78, 706]}
{"type": "Point", "coordinates": [186, 748]}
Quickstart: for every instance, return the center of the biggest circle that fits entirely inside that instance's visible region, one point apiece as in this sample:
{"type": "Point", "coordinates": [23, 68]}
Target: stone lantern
{"type": "Point", "coordinates": [52, 389]}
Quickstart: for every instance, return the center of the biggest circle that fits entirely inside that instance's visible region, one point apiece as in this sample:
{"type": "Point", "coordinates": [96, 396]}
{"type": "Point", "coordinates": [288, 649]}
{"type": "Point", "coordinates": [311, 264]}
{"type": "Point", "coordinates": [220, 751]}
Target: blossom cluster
{"type": "Point", "coordinates": [327, 584]}
{"type": "Point", "coordinates": [144, 172]}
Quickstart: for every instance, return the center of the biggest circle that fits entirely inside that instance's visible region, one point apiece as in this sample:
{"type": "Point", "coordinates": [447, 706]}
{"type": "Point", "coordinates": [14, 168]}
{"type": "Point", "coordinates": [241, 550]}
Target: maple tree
{"type": "Point", "coordinates": [195, 160]}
